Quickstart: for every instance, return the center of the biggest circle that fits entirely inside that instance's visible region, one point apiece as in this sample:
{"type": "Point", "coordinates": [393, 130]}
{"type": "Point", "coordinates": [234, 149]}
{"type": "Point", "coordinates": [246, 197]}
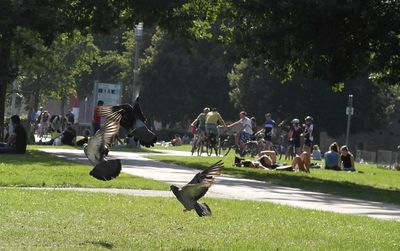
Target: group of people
{"type": "Point", "coordinates": [339, 158]}
{"type": "Point", "coordinates": [209, 121]}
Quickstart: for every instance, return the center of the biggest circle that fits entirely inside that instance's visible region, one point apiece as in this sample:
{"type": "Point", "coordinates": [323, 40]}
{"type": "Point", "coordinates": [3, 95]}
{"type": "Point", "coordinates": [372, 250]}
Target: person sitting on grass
{"type": "Point", "coordinates": [67, 136]}
{"type": "Point", "coordinates": [177, 141]}
{"type": "Point", "coordinates": [302, 162]}
{"type": "Point", "coordinates": [316, 154]}
{"type": "Point", "coordinates": [17, 141]}
{"type": "Point", "coordinates": [332, 157]}
{"type": "Point", "coordinates": [85, 139]}
{"type": "Point", "coordinates": [347, 159]}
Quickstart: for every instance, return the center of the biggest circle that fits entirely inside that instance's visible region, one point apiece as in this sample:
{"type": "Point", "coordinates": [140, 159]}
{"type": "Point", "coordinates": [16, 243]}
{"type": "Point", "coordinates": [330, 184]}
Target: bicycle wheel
{"type": "Point", "coordinates": [224, 148]}
{"type": "Point", "coordinates": [202, 148]}
{"type": "Point", "coordinates": [195, 145]}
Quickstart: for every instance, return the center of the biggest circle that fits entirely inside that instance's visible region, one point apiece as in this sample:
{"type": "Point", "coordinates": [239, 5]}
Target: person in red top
{"type": "Point", "coordinates": [96, 117]}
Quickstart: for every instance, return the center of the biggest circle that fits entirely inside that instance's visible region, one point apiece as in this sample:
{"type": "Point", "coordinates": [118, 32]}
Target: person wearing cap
{"type": "Point", "coordinates": [269, 126]}
{"type": "Point", "coordinates": [308, 136]}
{"type": "Point", "coordinates": [16, 142]}
{"type": "Point", "coordinates": [294, 137]}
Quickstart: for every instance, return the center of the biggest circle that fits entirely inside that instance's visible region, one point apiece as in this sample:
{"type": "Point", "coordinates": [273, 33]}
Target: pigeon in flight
{"type": "Point", "coordinates": [133, 120]}
{"type": "Point", "coordinates": [189, 194]}
{"type": "Point", "coordinates": [98, 147]}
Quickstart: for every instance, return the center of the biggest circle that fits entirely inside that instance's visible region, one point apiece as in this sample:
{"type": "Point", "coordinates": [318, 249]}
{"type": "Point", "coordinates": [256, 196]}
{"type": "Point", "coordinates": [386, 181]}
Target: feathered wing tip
{"type": "Point", "coordinates": [202, 209]}
{"type": "Point", "coordinates": [109, 111]}
{"type": "Point", "coordinates": [107, 169]}
{"type": "Point", "coordinates": [212, 171]}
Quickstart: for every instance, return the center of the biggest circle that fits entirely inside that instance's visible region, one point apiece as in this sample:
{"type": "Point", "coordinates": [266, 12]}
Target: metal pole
{"type": "Point", "coordinates": [138, 39]}
{"type": "Point", "coordinates": [349, 113]}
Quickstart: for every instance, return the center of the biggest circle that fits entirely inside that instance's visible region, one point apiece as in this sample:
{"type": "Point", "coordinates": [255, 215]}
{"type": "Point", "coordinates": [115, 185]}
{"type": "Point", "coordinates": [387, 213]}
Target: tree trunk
{"type": "Point", "coordinates": [6, 77]}
{"type": "Point", "coordinates": [3, 89]}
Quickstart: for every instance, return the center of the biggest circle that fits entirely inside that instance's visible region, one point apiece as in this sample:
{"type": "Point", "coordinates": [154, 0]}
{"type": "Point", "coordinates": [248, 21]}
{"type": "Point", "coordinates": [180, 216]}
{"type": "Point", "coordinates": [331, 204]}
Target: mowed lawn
{"type": "Point", "coordinates": [40, 169]}
{"type": "Point", "coordinates": [370, 182]}
{"type": "Point", "coordinates": [61, 220]}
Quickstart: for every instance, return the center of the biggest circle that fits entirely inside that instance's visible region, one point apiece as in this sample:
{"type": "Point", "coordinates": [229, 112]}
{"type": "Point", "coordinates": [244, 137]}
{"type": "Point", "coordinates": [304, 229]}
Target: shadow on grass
{"type": "Point", "coordinates": [309, 183]}
{"type": "Point", "coordinates": [99, 243]}
{"type": "Point", "coordinates": [33, 157]}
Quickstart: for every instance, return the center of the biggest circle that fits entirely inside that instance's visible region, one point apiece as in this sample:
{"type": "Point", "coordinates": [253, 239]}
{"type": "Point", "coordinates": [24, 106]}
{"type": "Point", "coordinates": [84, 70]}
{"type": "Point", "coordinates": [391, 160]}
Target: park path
{"type": "Point", "coordinates": [230, 187]}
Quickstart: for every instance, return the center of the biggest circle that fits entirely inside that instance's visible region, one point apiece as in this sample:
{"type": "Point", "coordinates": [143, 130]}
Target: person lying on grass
{"type": "Point", "coordinates": [267, 160]}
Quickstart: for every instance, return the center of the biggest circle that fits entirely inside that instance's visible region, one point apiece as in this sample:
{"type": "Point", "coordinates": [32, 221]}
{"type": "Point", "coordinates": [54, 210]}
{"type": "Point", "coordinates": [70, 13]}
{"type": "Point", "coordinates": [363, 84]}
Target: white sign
{"type": "Point", "coordinates": [348, 110]}
{"type": "Point", "coordinates": [110, 94]}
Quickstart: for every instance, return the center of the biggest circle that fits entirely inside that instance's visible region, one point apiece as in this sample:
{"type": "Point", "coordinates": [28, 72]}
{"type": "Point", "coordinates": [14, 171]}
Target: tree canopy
{"type": "Point", "coordinates": [327, 42]}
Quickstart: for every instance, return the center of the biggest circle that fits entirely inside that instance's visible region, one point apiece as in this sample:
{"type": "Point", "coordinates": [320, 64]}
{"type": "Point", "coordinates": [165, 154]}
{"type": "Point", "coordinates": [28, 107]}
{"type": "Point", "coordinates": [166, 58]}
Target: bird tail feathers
{"type": "Point", "coordinates": [107, 169]}
{"type": "Point", "coordinates": [202, 209]}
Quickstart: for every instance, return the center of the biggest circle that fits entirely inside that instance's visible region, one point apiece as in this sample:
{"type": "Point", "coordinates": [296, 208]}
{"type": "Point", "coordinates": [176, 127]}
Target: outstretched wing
{"type": "Point", "coordinates": [208, 174]}
{"type": "Point", "coordinates": [110, 129]}
{"type": "Point", "coordinates": [195, 191]}
{"type": "Point", "coordinates": [201, 182]}
{"type": "Point", "coordinates": [96, 149]}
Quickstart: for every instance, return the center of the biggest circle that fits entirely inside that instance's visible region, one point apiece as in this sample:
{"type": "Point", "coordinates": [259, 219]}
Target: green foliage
{"type": "Point", "coordinates": [255, 90]}
{"type": "Point", "coordinates": [53, 71]}
{"type": "Point", "coordinates": [180, 77]}
{"type": "Point", "coordinates": [330, 40]}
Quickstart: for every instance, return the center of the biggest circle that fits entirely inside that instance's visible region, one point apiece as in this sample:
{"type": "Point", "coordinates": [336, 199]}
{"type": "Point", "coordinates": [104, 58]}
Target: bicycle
{"type": "Point", "coordinates": [196, 143]}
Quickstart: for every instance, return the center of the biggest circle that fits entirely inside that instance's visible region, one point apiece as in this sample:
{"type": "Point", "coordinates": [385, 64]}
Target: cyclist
{"type": "Point", "coordinates": [269, 126]}
{"type": "Point", "coordinates": [200, 122]}
{"type": "Point", "coordinates": [213, 118]}
{"type": "Point", "coordinates": [246, 130]}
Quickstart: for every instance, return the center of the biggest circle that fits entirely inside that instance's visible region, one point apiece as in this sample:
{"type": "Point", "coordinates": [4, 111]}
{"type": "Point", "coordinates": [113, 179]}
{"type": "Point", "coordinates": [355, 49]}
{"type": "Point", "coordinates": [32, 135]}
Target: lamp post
{"type": "Point", "coordinates": [138, 39]}
{"type": "Point", "coordinates": [349, 112]}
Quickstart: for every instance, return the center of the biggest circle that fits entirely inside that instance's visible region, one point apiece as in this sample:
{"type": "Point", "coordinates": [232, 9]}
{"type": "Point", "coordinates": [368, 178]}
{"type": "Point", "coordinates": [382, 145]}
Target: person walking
{"type": "Point", "coordinates": [96, 117]}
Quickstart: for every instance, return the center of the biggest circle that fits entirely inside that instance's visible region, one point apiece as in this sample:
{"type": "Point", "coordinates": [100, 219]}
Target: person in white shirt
{"type": "Point", "coordinates": [245, 126]}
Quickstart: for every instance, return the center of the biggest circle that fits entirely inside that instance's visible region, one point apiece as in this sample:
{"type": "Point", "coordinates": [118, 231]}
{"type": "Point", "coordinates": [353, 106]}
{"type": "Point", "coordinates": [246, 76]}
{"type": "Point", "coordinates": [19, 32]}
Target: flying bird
{"type": "Point", "coordinates": [96, 150]}
{"type": "Point", "coordinates": [133, 120]}
{"type": "Point", "coordinates": [189, 194]}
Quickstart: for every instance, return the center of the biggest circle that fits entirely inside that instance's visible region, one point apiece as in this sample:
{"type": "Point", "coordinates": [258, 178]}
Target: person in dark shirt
{"type": "Point", "coordinates": [17, 141]}
{"type": "Point", "coordinates": [70, 117]}
{"type": "Point", "coordinates": [294, 135]}
{"type": "Point", "coordinates": [347, 159]}
{"type": "Point", "coordinates": [68, 136]}
{"type": "Point", "coordinates": [85, 139]}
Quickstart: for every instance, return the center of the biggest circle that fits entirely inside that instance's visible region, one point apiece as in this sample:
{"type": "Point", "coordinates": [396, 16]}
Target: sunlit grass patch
{"type": "Point", "coordinates": [60, 220]}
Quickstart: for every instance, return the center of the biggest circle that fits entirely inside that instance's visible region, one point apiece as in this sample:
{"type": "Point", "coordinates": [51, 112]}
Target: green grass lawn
{"type": "Point", "coordinates": [372, 184]}
{"type": "Point", "coordinates": [60, 220]}
{"type": "Point", "coordinates": [41, 169]}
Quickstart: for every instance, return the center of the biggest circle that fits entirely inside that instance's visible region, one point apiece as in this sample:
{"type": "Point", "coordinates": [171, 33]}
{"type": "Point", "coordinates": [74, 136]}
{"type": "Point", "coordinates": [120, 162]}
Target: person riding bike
{"type": "Point", "coordinates": [213, 118]}
{"type": "Point", "coordinates": [246, 130]}
{"type": "Point", "coordinates": [200, 123]}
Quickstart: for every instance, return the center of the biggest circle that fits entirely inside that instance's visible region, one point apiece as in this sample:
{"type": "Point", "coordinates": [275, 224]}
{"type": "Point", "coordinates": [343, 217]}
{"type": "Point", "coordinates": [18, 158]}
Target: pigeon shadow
{"type": "Point", "coordinates": [194, 249]}
{"type": "Point", "coordinates": [100, 243]}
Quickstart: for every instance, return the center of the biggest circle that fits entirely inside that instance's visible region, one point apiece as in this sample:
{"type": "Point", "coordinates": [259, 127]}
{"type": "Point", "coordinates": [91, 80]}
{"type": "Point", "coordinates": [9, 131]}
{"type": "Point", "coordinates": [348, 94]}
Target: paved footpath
{"type": "Point", "coordinates": [229, 187]}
